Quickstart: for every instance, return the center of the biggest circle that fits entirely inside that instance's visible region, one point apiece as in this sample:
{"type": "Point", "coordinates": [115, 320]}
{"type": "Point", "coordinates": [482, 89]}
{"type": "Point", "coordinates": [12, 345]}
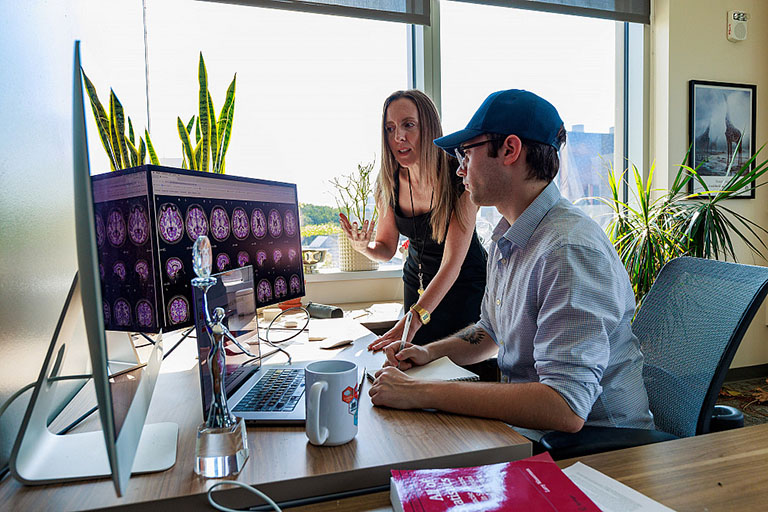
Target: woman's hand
{"type": "Point", "coordinates": [359, 236]}
{"type": "Point", "coordinates": [395, 334]}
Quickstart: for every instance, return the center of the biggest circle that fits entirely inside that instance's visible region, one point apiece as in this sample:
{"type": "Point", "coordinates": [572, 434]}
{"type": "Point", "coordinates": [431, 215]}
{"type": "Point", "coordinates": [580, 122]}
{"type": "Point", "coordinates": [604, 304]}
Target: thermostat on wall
{"type": "Point", "coordinates": [736, 29]}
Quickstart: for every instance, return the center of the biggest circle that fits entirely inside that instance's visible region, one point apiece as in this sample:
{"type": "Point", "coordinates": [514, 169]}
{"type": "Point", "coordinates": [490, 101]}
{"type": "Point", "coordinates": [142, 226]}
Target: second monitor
{"type": "Point", "coordinates": [147, 219]}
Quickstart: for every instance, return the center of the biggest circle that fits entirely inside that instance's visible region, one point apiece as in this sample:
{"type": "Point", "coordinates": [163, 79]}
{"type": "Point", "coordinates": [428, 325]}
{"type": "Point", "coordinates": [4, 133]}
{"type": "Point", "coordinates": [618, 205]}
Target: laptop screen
{"type": "Point", "coordinates": [233, 292]}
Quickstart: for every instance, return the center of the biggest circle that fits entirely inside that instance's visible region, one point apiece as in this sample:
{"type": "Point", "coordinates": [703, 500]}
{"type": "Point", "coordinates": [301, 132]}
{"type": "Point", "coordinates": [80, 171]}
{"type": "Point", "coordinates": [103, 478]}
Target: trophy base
{"type": "Point", "coordinates": [221, 452]}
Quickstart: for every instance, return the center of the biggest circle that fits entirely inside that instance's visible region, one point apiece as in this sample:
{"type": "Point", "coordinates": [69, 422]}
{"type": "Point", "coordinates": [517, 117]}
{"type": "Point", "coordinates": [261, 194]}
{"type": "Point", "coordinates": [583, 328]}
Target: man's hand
{"type": "Point", "coordinates": [393, 388]}
{"type": "Point", "coordinates": [395, 334]}
{"type": "Point", "coordinates": [411, 355]}
{"type": "Point", "coordinates": [359, 236]}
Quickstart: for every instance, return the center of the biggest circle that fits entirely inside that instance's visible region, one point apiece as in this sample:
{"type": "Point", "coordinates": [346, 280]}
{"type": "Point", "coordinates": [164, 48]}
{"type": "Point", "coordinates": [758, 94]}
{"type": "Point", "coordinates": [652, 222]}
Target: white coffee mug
{"type": "Point", "coordinates": [331, 388]}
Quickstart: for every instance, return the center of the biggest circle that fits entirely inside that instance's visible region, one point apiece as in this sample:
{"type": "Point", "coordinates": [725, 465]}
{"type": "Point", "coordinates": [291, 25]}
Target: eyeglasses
{"type": "Point", "coordinates": [460, 151]}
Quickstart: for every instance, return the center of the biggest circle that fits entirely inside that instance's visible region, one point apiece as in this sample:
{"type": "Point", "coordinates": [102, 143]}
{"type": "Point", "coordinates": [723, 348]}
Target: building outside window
{"type": "Point", "coordinates": [568, 60]}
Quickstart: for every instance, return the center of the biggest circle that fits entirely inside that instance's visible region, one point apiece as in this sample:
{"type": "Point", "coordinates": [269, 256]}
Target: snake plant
{"type": "Point", "coordinates": [122, 149]}
{"type": "Point", "coordinates": [211, 136]}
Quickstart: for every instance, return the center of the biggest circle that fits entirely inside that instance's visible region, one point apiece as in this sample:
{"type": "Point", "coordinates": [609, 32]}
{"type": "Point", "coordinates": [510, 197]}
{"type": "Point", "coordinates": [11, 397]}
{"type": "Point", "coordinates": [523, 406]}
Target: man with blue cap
{"type": "Point", "coordinates": [558, 303]}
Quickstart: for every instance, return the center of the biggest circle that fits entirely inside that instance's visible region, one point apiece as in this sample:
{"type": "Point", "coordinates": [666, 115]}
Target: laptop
{"type": "Point", "coordinates": [258, 393]}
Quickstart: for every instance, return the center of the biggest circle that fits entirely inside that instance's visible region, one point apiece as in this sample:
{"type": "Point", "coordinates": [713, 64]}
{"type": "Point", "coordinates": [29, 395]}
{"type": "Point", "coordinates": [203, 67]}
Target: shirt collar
{"type": "Point", "coordinates": [521, 231]}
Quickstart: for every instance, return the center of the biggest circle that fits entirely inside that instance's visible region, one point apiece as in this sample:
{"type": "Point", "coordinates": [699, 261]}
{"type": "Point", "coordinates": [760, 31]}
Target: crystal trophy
{"type": "Point", "coordinates": [222, 445]}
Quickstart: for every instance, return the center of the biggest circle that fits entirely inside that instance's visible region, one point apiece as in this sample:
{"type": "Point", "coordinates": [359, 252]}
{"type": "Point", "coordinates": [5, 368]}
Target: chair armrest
{"type": "Point", "coordinates": [589, 440]}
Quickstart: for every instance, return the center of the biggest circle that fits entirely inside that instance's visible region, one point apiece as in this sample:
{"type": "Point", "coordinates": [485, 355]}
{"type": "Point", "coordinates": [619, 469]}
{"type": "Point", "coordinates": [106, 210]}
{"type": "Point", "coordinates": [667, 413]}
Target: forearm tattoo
{"type": "Point", "coordinates": [471, 334]}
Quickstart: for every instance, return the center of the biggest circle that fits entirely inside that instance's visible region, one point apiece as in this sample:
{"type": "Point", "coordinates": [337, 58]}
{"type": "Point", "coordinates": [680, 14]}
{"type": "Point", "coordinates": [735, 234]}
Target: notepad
{"type": "Point", "coordinates": [439, 369]}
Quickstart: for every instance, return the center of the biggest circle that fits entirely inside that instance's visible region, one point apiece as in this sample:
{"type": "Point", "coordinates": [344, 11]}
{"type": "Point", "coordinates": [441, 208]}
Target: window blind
{"type": "Point", "coordinates": [636, 11]}
{"type": "Point", "coordinates": [405, 11]}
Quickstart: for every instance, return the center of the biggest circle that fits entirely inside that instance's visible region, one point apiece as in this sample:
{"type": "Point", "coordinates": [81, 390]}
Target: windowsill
{"type": "Point", "coordinates": [334, 274]}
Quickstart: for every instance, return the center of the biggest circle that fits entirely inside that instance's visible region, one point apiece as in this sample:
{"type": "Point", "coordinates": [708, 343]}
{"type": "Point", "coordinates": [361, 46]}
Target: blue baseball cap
{"type": "Point", "coordinates": [511, 112]}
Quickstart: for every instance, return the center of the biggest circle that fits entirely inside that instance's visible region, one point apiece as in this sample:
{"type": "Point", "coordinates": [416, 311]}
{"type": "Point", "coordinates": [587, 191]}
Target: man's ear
{"type": "Point", "coordinates": [512, 149]}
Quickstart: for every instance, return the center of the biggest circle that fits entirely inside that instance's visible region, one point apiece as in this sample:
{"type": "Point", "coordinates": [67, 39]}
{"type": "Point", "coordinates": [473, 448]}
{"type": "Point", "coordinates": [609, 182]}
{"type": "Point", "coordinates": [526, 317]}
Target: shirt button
{"type": "Point", "coordinates": [498, 302]}
{"type": "Point", "coordinates": [504, 261]}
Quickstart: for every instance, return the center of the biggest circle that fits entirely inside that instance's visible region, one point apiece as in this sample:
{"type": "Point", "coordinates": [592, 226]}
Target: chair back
{"type": "Point", "coordinates": [689, 326]}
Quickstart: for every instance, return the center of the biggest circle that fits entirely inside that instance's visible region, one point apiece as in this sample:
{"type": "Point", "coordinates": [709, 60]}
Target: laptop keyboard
{"type": "Point", "coordinates": [279, 390]}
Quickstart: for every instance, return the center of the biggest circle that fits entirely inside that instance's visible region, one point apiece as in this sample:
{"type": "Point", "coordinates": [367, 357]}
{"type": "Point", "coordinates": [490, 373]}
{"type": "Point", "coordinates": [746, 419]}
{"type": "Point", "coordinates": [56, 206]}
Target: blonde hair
{"type": "Point", "coordinates": [435, 164]}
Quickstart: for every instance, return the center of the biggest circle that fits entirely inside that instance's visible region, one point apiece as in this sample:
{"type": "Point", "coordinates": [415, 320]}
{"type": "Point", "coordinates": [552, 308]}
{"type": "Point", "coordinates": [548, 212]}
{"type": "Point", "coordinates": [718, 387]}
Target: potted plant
{"type": "Point", "coordinates": [354, 193]}
{"type": "Point", "coordinates": [122, 150]}
{"type": "Point", "coordinates": [211, 136]}
{"type": "Point", "coordinates": [659, 225]}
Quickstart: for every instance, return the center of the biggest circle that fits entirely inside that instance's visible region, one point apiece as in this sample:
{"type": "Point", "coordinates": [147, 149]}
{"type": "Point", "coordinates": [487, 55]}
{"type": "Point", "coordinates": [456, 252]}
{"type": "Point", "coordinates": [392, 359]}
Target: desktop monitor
{"type": "Point", "coordinates": [124, 444]}
{"type": "Point", "coordinates": [148, 218]}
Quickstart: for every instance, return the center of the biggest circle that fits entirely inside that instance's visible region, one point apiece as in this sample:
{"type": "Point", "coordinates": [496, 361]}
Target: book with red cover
{"type": "Point", "coordinates": [533, 484]}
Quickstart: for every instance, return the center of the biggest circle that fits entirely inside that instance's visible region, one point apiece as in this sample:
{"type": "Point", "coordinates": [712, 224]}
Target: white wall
{"type": "Point", "coordinates": [688, 43]}
{"type": "Point", "coordinates": [37, 250]}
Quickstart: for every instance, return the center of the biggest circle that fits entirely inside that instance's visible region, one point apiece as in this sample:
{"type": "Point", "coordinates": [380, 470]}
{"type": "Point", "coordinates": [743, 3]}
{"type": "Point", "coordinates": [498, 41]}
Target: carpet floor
{"type": "Point", "coordinates": [749, 396]}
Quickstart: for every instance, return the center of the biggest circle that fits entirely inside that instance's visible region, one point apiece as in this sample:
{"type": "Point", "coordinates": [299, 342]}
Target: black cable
{"type": "Point", "coordinates": [298, 330]}
{"type": "Point", "coordinates": [323, 498]}
{"type": "Point", "coordinates": [77, 421]}
{"type": "Point", "coordinates": [183, 337]}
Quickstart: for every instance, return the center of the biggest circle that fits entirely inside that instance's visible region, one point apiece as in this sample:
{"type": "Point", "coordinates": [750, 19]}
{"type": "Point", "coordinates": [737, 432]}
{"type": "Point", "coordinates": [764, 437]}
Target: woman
{"type": "Point", "coordinates": [419, 195]}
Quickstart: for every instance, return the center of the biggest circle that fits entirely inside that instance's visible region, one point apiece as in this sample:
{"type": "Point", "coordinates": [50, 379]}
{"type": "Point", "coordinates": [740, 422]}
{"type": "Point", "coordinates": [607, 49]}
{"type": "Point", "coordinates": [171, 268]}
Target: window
{"type": "Point", "coordinates": [309, 88]}
{"type": "Point", "coordinates": [569, 60]}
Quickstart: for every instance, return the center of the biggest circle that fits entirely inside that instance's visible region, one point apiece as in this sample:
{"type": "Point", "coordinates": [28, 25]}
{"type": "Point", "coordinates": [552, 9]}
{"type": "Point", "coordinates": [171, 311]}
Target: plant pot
{"type": "Point", "coordinates": [350, 260]}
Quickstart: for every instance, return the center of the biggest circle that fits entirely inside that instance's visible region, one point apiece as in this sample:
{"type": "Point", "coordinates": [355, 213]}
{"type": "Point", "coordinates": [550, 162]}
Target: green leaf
{"type": "Point", "coordinates": [102, 121]}
{"type": "Point", "coordinates": [190, 124]}
{"type": "Point", "coordinates": [119, 125]}
{"type": "Point", "coordinates": [186, 144]}
{"type": "Point", "coordinates": [133, 153]}
{"type": "Point", "coordinates": [130, 131]}
{"type": "Point", "coordinates": [151, 150]}
{"type": "Point", "coordinates": [113, 133]}
{"type": "Point", "coordinates": [225, 124]}
{"type": "Point", "coordinates": [142, 151]}
{"type": "Point", "coordinates": [197, 153]}
{"type": "Point", "coordinates": [212, 121]}
{"type": "Point", "coordinates": [203, 114]}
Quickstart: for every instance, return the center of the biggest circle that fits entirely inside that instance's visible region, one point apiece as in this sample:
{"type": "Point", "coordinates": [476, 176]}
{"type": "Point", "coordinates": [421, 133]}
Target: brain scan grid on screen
{"type": "Point", "coordinates": [147, 219]}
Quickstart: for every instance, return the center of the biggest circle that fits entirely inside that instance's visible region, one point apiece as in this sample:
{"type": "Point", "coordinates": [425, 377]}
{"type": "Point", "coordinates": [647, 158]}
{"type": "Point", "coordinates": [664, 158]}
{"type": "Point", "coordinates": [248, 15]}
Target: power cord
{"type": "Point", "coordinates": [248, 488]}
{"type": "Point", "coordinates": [5, 469]}
{"type": "Point", "coordinates": [274, 344]}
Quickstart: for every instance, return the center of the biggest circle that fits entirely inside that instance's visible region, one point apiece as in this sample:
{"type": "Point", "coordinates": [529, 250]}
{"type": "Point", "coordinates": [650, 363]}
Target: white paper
{"type": "Point", "coordinates": [611, 495]}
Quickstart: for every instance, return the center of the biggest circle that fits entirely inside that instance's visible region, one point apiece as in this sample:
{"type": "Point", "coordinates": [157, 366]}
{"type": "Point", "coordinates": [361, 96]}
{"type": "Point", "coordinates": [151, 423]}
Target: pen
{"type": "Point", "coordinates": [405, 333]}
{"type": "Point", "coordinates": [362, 381]}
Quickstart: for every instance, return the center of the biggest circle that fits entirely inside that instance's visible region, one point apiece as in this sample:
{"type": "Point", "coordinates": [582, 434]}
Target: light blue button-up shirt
{"type": "Point", "coordinates": [559, 304]}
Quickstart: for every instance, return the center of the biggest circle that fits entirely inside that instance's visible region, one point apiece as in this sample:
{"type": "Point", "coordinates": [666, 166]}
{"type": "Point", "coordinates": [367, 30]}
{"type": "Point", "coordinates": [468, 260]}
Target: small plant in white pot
{"type": "Point", "coordinates": [354, 192]}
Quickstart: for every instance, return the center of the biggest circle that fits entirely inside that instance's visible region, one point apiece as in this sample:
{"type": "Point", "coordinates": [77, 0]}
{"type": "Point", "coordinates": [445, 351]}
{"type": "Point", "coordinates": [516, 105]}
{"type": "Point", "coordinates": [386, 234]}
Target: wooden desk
{"type": "Point", "coordinates": [720, 471]}
{"type": "Point", "coordinates": [282, 462]}
{"type": "Point", "coordinates": [379, 317]}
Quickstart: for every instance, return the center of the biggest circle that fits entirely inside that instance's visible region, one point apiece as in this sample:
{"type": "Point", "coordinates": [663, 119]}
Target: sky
{"type": "Point", "coordinates": [310, 87]}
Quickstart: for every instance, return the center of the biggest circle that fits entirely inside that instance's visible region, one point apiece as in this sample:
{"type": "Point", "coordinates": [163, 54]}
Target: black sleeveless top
{"type": "Point", "coordinates": [461, 305]}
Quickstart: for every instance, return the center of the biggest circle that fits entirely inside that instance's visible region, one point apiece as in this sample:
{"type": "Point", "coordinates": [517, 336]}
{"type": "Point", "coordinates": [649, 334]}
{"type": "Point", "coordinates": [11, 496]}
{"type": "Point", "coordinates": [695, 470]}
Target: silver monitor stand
{"type": "Point", "coordinates": [39, 456]}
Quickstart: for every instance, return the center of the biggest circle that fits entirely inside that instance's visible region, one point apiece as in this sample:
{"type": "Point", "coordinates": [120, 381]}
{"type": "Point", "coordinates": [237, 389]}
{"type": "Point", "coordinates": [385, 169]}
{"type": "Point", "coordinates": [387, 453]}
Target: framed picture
{"type": "Point", "coordinates": [722, 129]}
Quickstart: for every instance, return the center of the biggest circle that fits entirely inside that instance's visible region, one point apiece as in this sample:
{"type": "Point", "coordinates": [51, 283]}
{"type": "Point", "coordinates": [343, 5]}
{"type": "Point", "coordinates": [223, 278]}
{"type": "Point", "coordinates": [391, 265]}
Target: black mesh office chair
{"type": "Point", "coordinates": [689, 326]}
